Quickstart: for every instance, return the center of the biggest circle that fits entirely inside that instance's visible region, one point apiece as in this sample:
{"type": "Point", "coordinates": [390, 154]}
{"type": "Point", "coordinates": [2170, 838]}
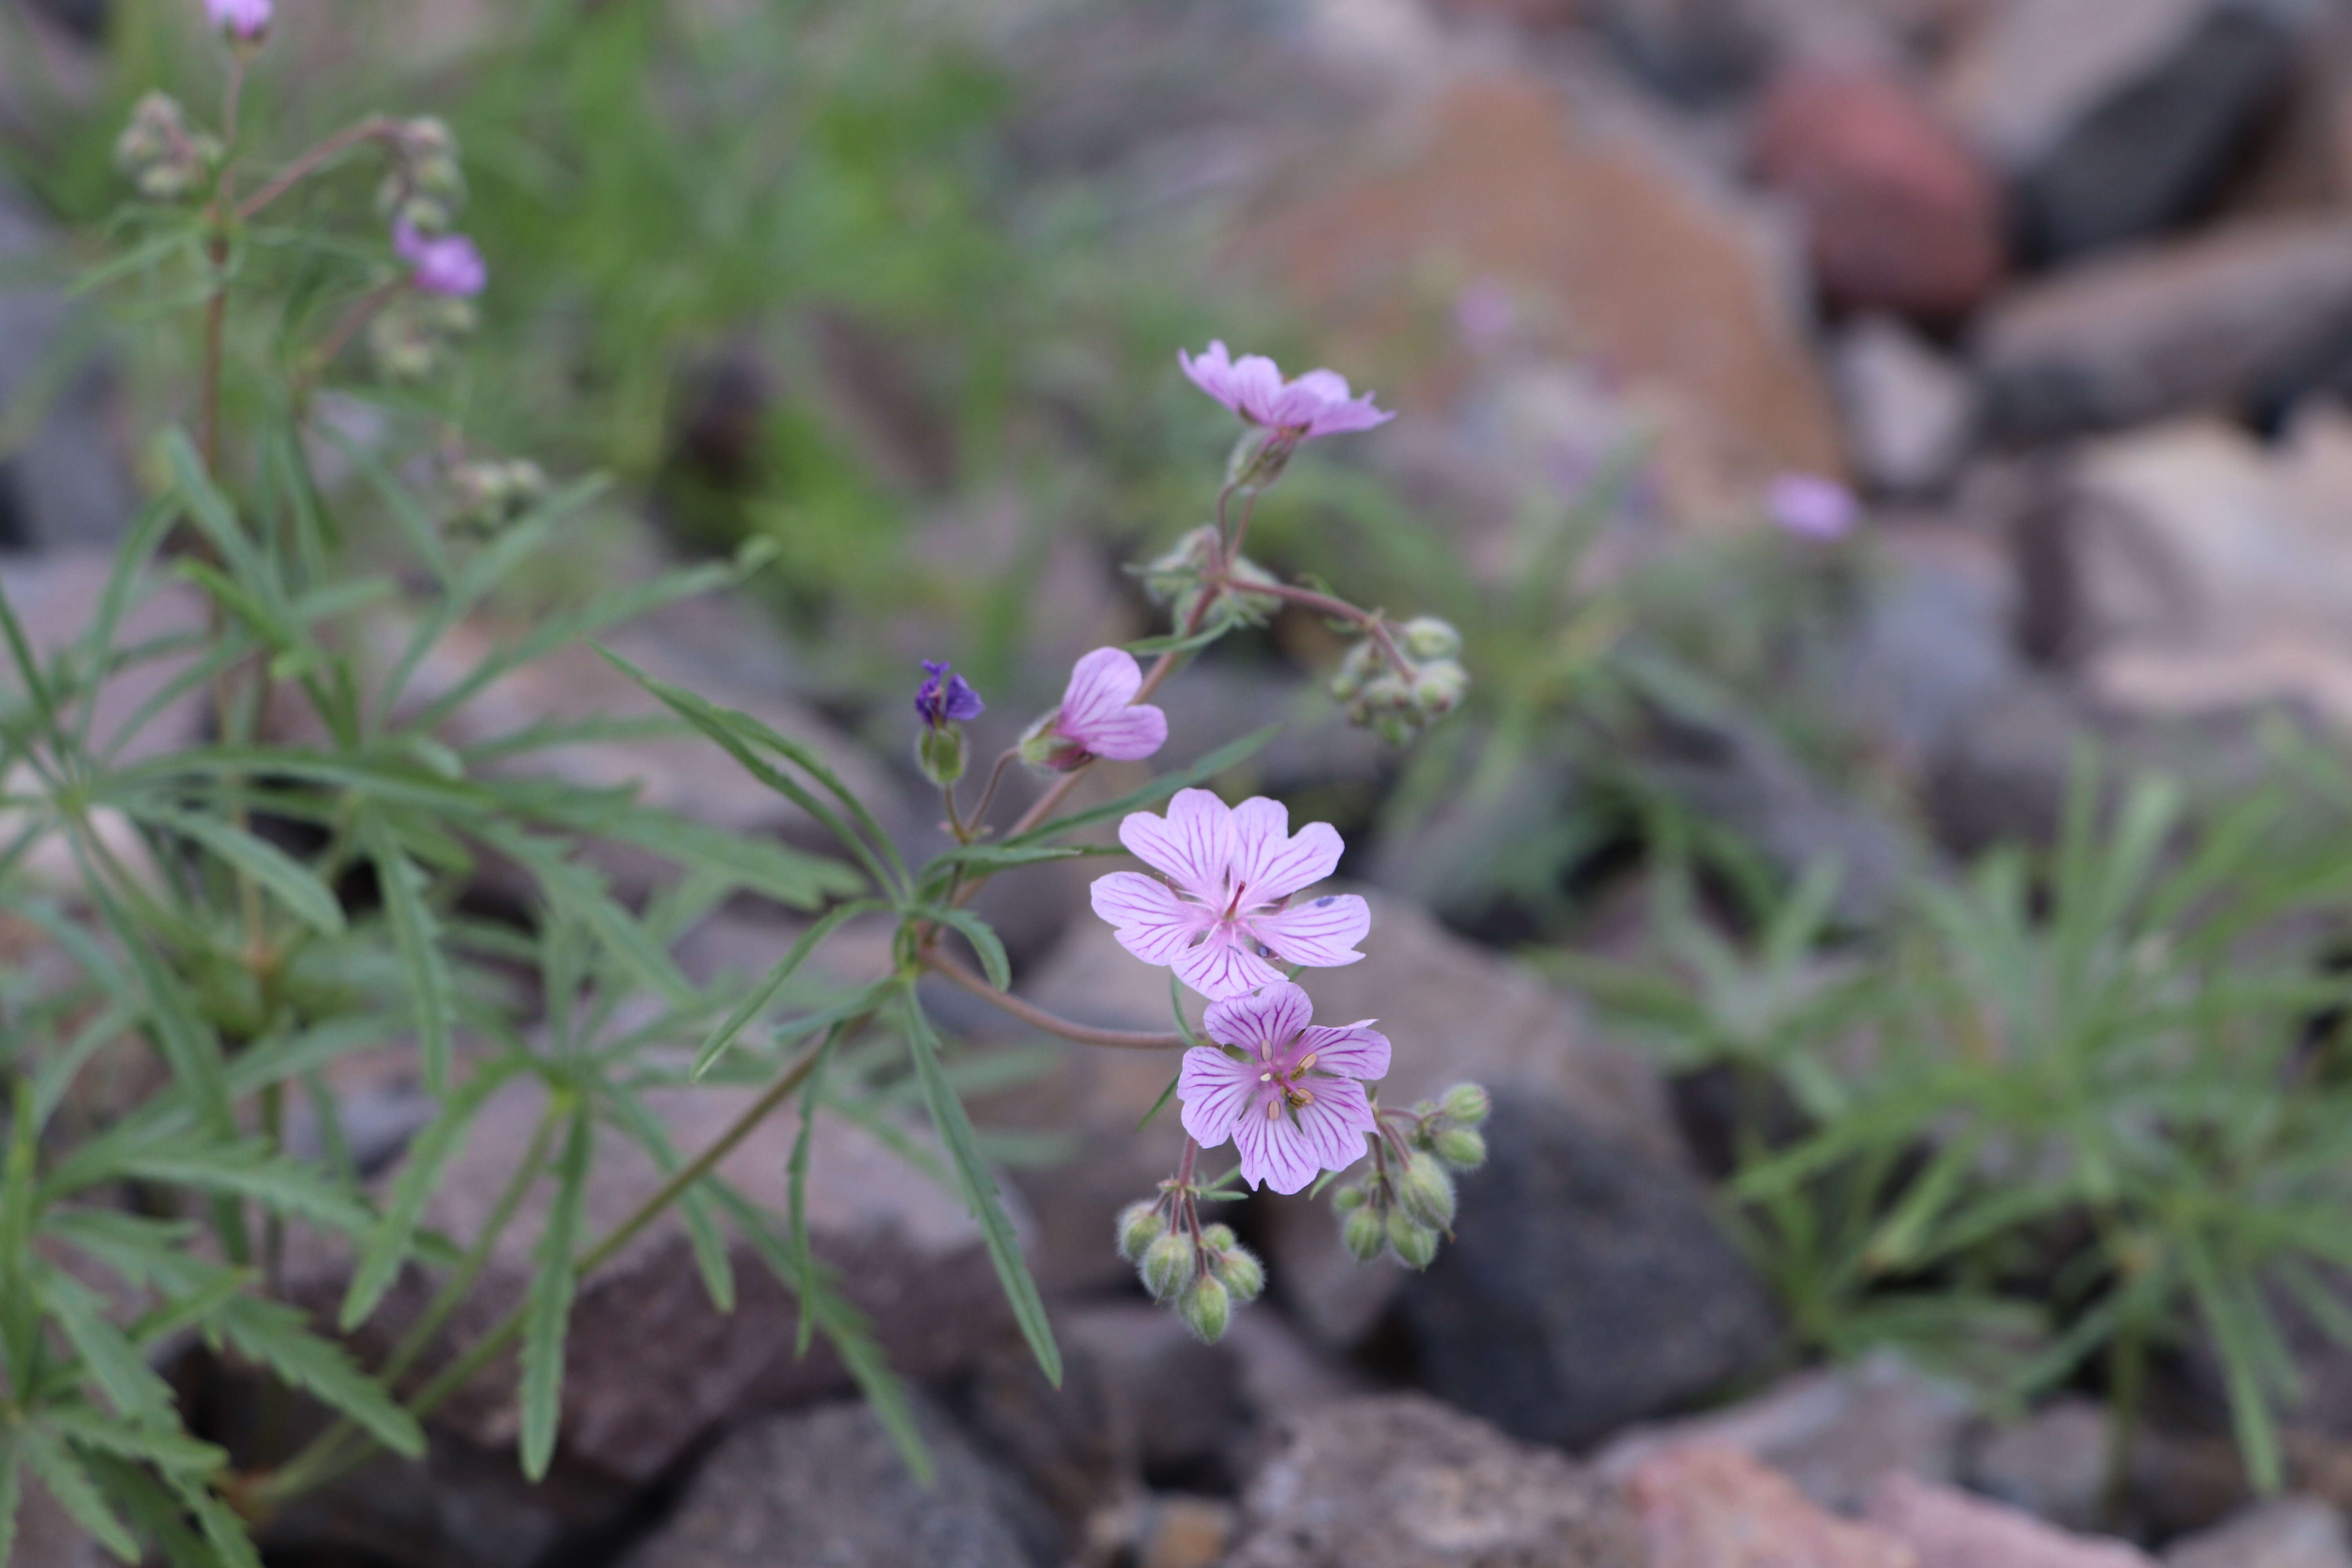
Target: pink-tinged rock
{"type": "Point", "coordinates": [1717, 1507]}
{"type": "Point", "coordinates": [1945, 1527]}
{"type": "Point", "coordinates": [1900, 215]}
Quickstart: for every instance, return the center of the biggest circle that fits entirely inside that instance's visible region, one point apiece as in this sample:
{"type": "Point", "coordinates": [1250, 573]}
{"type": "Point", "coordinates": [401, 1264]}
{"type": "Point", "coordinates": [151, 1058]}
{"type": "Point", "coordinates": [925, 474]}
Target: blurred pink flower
{"type": "Point", "coordinates": [1316, 403]}
{"type": "Point", "coordinates": [1234, 871]}
{"type": "Point", "coordinates": [1293, 1101]}
{"type": "Point", "coordinates": [243, 18]}
{"type": "Point", "coordinates": [444, 264]}
{"type": "Point", "coordinates": [1811, 507]}
{"type": "Point", "coordinates": [1099, 716]}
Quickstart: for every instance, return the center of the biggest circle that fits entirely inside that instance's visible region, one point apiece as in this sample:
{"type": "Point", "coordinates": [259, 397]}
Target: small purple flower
{"type": "Point", "coordinates": [946, 697]}
{"type": "Point", "coordinates": [1099, 716]}
{"type": "Point", "coordinates": [1234, 869]}
{"type": "Point", "coordinates": [1811, 507]}
{"type": "Point", "coordinates": [246, 19]}
{"type": "Point", "coordinates": [1316, 403]}
{"type": "Point", "coordinates": [444, 264]}
{"type": "Point", "coordinates": [1292, 1100]}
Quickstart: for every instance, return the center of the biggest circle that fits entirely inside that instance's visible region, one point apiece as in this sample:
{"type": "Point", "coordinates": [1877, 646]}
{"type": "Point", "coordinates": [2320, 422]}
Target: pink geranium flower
{"type": "Point", "coordinates": [1099, 716]}
{"type": "Point", "coordinates": [244, 19]}
{"type": "Point", "coordinates": [1316, 403]}
{"type": "Point", "coordinates": [444, 264]}
{"type": "Point", "coordinates": [1289, 1093]}
{"type": "Point", "coordinates": [1234, 871]}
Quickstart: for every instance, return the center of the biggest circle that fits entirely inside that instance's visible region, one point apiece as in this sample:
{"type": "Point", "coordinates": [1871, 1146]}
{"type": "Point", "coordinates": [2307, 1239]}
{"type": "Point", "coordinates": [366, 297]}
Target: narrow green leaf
{"type": "Point", "coordinates": [248, 1170]}
{"type": "Point", "coordinates": [1165, 1096]}
{"type": "Point", "coordinates": [765, 991]}
{"type": "Point", "coordinates": [61, 1471]}
{"type": "Point", "coordinates": [12, 1490]}
{"type": "Point", "coordinates": [167, 1448]}
{"type": "Point", "coordinates": [387, 1246]}
{"type": "Point", "coordinates": [1158, 789]}
{"type": "Point", "coordinates": [547, 1307]}
{"type": "Point", "coordinates": [979, 1190]}
{"type": "Point", "coordinates": [984, 941]}
{"type": "Point", "coordinates": [293, 884]}
{"type": "Point", "coordinates": [276, 1335]}
{"type": "Point", "coordinates": [108, 1356]}
{"type": "Point", "coordinates": [416, 938]}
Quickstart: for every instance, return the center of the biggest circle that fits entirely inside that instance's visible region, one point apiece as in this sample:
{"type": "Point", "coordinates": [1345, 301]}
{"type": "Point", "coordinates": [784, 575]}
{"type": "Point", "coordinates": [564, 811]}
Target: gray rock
{"type": "Point", "coordinates": [2054, 1464]}
{"type": "Point", "coordinates": [1404, 1482]}
{"type": "Point", "coordinates": [651, 1365]}
{"type": "Point", "coordinates": [1709, 1507]}
{"type": "Point", "coordinates": [1586, 1286]}
{"type": "Point", "coordinates": [2029, 72]}
{"type": "Point", "coordinates": [1947, 1528]}
{"type": "Point", "coordinates": [458, 1507]}
{"type": "Point", "coordinates": [1837, 1433]}
{"type": "Point", "coordinates": [827, 1488]}
{"type": "Point", "coordinates": [56, 597]}
{"type": "Point", "coordinates": [2293, 1532]}
{"type": "Point", "coordinates": [2209, 319]}
{"type": "Point", "coordinates": [1910, 411]}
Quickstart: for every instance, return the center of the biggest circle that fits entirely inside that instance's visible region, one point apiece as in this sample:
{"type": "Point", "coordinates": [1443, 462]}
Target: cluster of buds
{"type": "Point", "coordinates": [425, 186]}
{"type": "Point", "coordinates": [408, 335]}
{"type": "Point", "coordinates": [165, 158]}
{"type": "Point", "coordinates": [1195, 570]}
{"type": "Point", "coordinates": [1204, 1272]}
{"type": "Point", "coordinates": [486, 495]}
{"type": "Point", "coordinates": [1407, 1201]}
{"type": "Point", "coordinates": [1397, 701]}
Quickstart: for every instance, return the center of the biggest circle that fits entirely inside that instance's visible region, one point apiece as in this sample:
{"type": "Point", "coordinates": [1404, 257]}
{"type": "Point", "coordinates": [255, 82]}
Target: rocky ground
{"type": "Point", "coordinates": [2062, 287]}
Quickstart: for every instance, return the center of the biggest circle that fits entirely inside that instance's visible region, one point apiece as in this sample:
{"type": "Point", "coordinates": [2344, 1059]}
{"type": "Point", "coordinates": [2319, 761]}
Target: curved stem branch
{"type": "Point", "coordinates": [375, 128]}
{"type": "Point", "coordinates": [1037, 1017]}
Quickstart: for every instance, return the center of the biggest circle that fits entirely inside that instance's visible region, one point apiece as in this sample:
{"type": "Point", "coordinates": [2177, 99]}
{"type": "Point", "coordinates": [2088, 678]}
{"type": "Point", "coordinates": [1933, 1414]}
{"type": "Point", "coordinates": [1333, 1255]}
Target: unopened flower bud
{"type": "Point", "coordinates": [1168, 1265]}
{"type": "Point", "coordinates": [942, 753]}
{"type": "Point", "coordinates": [1416, 1244]}
{"type": "Point", "coordinates": [1238, 1269]}
{"type": "Point", "coordinates": [1427, 638]}
{"type": "Point", "coordinates": [1463, 1148]}
{"type": "Point", "coordinates": [1361, 666]}
{"type": "Point", "coordinates": [1240, 603]}
{"type": "Point", "coordinates": [1140, 1224]}
{"type": "Point", "coordinates": [1206, 1309]}
{"type": "Point", "coordinates": [1365, 1233]}
{"type": "Point", "coordinates": [1217, 1237]}
{"type": "Point", "coordinates": [1348, 1199]}
{"type": "Point", "coordinates": [1465, 1104]}
{"type": "Point", "coordinates": [1426, 1192]}
{"type": "Point", "coordinates": [163, 157]}
{"type": "Point", "coordinates": [488, 495]}
{"type": "Point", "coordinates": [1437, 688]}
{"type": "Point", "coordinates": [1175, 579]}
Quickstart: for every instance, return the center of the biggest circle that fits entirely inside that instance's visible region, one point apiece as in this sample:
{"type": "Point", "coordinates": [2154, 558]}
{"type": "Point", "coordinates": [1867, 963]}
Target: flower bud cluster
{"type": "Point", "coordinates": [425, 186]}
{"type": "Point", "coordinates": [488, 495]}
{"type": "Point", "coordinates": [1398, 703]}
{"type": "Point", "coordinates": [1408, 1201]}
{"type": "Point", "coordinates": [165, 158]}
{"type": "Point", "coordinates": [1203, 1274]}
{"type": "Point", "coordinates": [409, 335]}
{"type": "Point", "coordinates": [1191, 571]}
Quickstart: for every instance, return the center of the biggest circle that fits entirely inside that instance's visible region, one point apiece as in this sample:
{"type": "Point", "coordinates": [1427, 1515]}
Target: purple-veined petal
{"type": "Point", "coordinates": [1193, 844]}
{"type": "Point", "coordinates": [1123, 735]}
{"type": "Point", "coordinates": [1102, 683]}
{"type": "Point", "coordinates": [1263, 1025]}
{"type": "Point", "coordinates": [1350, 1051]}
{"type": "Point", "coordinates": [1221, 964]}
{"type": "Point", "coordinates": [1257, 387]}
{"type": "Point", "coordinates": [1216, 1092]}
{"type": "Point", "coordinates": [1272, 864]}
{"type": "Point", "coordinates": [1331, 1126]}
{"type": "Point", "coordinates": [1321, 933]}
{"type": "Point", "coordinates": [1213, 372]}
{"type": "Point", "coordinates": [1345, 419]}
{"type": "Point", "coordinates": [1274, 1150]}
{"type": "Point", "coordinates": [1152, 923]}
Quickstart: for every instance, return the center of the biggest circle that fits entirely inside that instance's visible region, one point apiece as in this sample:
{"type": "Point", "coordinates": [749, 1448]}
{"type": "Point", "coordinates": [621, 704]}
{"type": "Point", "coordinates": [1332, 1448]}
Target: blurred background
{"type": "Point", "coordinates": [2056, 293]}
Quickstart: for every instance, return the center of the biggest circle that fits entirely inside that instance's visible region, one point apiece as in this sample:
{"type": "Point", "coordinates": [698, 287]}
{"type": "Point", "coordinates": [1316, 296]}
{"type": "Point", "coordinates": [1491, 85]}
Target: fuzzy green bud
{"type": "Point", "coordinates": [1348, 1199]}
{"type": "Point", "coordinates": [1426, 638]}
{"type": "Point", "coordinates": [1465, 1104]}
{"type": "Point", "coordinates": [1358, 668]}
{"type": "Point", "coordinates": [1365, 1233]}
{"type": "Point", "coordinates": [161, 154]}
{"type": "Point", "coordinates": [1438, 688]}
{"type": "Point", "coordinates": [1140, 1224]}
{"type": "Point", "coordinates": [1426, 1192]}
{"type": "Point", "coordinates": [1238, 1269]}
{"type": "Point", "coordinates": [1463, 1148]}
{"type": "Point", "coordinates": [1206, 1309]}
{"type": "Point", "coordinates": [1416, 1244]}
{"type": "Point", "coordinates": [1168, 1265]}
{"type": "Point", "coordinates": [1176, 578]}
{"type": "Point", "coordinates": [1218, 1237]}
{"type": "Point", "coordinates": [942, 753]}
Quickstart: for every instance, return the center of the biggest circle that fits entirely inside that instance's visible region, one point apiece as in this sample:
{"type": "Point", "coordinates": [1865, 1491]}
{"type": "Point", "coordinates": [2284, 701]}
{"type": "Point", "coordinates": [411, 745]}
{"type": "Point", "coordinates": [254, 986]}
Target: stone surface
{"type": "Point", "coordinates": [1679, 294]}
{"type": "Point", "coordinates": [826, 1487]}
{"type": "Point", "coordinates": [1949, 1528]}
{"type": "Point", "coordinates": [1404, 1482]}
{"type": "Point", "coordinates": [2053, 1465]}
{"type": "Point", "coordinates": [651, 1365]}
{"type": "Point", "coordinates": [46, 1536]}
{"type": "Point", "coordinates": [2027, 72]}
{"type": "Point", "coordinates": [1586, 1286]}
{"type": "Point", "coordinates": [1900, 215]}
{"type": "Point", "coordinates": [2215, 319]}
{"type": "Point", "coordinates": [1910, 411]}
{"type": "Point", "coordinates": [1717, 1507]}
{"type": "Point", "coordinates": [1835, 1433]}
{"type": "Point", "coordinates": [458, 1507]}
{"type": "Point", "coordinates": [57, 595]}
{"type": "Point", "coordinates": [2293, 1532]}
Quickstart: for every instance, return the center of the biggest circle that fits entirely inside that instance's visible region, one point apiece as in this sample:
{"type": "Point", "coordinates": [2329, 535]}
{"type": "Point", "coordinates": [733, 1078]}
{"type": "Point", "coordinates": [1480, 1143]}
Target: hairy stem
{"type": "Point", "coordinates": [375, 128]}
{"type": "Point", "coordinates": [1037, 1017]}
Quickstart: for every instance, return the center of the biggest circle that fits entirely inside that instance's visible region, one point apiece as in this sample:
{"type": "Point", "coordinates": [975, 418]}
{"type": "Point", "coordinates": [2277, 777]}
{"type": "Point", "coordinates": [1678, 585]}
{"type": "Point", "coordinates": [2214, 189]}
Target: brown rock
{"type": "Point", "coordinates": [1717, 1507]}
{"type": "Point", "coordinates": [1949, 1528]}
{"type": "Point", "coordinates": [651, 1365]}
{"type": "Point", "coordinates": [2164, 328]}
{"type": "Point", "coordinates": [1669, 291]}
{"type": "Point", "coordinates": [1900, 214]}
{"type": "Point", "coordinates": [1402, 1481]}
